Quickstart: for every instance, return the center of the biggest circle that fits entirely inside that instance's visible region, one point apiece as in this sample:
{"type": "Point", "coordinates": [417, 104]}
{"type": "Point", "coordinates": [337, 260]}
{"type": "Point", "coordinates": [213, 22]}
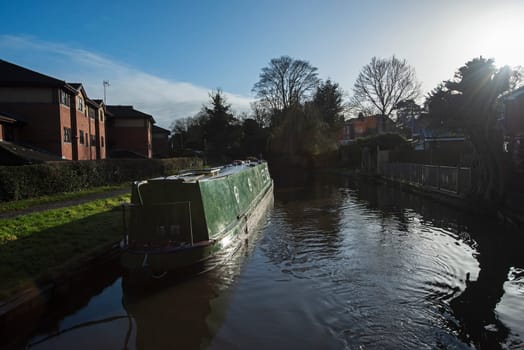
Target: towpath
{"type": "Point", "coordinates": [63, 204]}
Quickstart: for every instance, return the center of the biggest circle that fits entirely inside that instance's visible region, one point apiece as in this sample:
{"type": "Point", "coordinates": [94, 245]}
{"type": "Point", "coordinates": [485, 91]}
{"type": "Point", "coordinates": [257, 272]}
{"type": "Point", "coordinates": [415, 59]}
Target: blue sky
{"type": "Point", "coordinates": [165, 56]}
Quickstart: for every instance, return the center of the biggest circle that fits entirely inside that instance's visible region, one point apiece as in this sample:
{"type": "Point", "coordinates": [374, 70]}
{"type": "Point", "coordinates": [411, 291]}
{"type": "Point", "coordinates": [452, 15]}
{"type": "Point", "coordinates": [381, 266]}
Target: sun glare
{"type": "Point", "coordinates": [501, 38]}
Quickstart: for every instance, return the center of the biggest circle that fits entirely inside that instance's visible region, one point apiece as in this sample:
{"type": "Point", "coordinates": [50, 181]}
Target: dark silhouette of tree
{"type": "Point", "coordinates": [407, 112]}
{"type": "Point", "coordinates": [188, 133]}
{"type": "Point", "coordinates": [254, 142]}
{"type": "Point", "coordinates": [442, 107]}
{"type": "Point", "coordinates": [220, 110]}
{"type": "Point", "coordinates": [303, 114]}
{"type": "Point", "coordinates": [222, 131]}
{"type": "Point", "coordinates": [261, 115]}
{"type": "Point", "coordinates": [214, 130]}
{"type": "Point", "coordinates": [302, 132]}
{"type": "Point", "coordinates": [328, 99]}
{"type": "Point", "coordinates": [285, 83]}
{"type": "Point", "coordinates": [285, 135]}
{"type": "Point", "coordinates": [470, 102]}
{"type": "Point", "coordinates": [382, 84]}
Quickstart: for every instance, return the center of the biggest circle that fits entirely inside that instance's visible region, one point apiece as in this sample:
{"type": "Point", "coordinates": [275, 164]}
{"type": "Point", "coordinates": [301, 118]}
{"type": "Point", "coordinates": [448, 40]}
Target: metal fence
{"type": "Point", "coordinates": [455, 180]}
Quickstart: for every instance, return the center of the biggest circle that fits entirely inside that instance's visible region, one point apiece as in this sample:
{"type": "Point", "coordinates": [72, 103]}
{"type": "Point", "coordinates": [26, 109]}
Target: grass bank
{"type": "Point", "coordinates": [38, 247]}
{"type": "Point", "coordinates": [33, 202]}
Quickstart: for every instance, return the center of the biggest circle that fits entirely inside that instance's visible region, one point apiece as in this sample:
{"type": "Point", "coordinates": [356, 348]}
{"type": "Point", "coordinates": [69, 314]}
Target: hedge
{"type": "Point", "coordinates": [28, 181]}
{"type": "Point", "coordinates": [351, 154]}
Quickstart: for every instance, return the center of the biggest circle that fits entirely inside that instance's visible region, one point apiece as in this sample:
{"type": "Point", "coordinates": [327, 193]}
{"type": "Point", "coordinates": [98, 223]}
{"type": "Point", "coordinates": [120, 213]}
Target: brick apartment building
{"type": "Point", "coordinates": [160, 142]}
{"type": "Point", "coordinates": [129, 132]}
{"type": "Point", "coordinates": [49, 114]}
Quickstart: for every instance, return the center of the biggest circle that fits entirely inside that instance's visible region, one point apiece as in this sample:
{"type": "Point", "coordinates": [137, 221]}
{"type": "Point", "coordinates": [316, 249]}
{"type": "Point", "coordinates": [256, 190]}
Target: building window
{"type": "Point", "coordinates": [81, 134]}
{"type": "Point", "coordinates": [93, 140]}
{"type": "Point", "coordinates": [65, 99]}
{"type": "Point", "coordinates": [9, 134]}
{"type": "Point", "coordinates": [80, 104]}
{"type": "Point", "coordinates": [91, 112]}
{"type": "Point", "coordinates": [101, 115]}
{"type": "Point", "coordinates": [102, 141]}
{"type": "Point", "coordinates": [67, 135]}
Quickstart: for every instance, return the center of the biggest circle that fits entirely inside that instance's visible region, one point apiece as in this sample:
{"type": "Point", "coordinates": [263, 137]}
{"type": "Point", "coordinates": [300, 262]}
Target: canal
{"type": "Point", "coordinates": [338, 264]}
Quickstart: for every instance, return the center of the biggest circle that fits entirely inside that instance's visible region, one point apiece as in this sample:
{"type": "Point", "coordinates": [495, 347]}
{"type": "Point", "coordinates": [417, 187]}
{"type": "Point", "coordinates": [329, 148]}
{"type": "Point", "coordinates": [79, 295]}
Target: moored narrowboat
{"type": "Point", "coordinates": [194, 219]}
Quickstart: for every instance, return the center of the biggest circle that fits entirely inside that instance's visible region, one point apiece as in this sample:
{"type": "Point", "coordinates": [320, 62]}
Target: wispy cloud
{"type": "Point", "coordinates": [164, 99]}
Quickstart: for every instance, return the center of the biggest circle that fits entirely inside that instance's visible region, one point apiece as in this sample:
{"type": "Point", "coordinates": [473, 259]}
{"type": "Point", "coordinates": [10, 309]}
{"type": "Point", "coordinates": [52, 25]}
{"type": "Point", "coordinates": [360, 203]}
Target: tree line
{"type": "Point", "coordinates": [296, 114]}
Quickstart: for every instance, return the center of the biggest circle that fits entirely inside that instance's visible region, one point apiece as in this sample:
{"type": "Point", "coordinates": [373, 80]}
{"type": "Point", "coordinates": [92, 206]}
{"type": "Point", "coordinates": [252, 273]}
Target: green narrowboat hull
{"type": "Point", "coordinates": [193, 220]}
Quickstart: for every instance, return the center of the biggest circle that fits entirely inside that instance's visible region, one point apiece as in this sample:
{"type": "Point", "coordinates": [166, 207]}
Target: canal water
{"type": "Point", "coordinates": [338, 264]}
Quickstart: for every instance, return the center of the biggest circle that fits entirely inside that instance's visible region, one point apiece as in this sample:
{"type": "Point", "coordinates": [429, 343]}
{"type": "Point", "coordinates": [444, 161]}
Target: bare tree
{"type": "Point", "coordinates": [260, 114]}
{"type": "Point", "coordinates": [285, 83]}
{"type": "Point", "coordinates": [383, 83]}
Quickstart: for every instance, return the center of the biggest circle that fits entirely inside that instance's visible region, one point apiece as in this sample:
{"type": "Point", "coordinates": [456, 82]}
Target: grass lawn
{"type": "Point", "coordinates": [32, 202]}
{"type": "Point", "coordinates": [36, 247]}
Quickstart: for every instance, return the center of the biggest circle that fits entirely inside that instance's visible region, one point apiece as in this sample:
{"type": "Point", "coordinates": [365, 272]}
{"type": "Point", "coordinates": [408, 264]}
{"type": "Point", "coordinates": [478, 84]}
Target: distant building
{"type": "Point", "coordinates": [160, 142]}
{"type": "Point", "coordinates": [364, 126]}
{"type": "Point", "coordinates": [129, 132]}
{"type": "Point", "coordinates": [48, 114]}
{"type": "Point", "coordinates": [97, 114]}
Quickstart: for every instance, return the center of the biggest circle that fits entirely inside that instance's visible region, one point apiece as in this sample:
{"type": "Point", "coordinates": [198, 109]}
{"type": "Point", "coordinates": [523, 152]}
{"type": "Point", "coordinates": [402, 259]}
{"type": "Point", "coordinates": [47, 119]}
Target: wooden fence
{"type": "Point", "coordinates": [454, 180]}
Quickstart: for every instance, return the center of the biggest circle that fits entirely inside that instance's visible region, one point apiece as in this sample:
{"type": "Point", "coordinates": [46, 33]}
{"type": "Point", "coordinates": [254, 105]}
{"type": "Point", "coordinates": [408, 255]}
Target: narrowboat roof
{"type": "Point", "coordinates": [204, 174]}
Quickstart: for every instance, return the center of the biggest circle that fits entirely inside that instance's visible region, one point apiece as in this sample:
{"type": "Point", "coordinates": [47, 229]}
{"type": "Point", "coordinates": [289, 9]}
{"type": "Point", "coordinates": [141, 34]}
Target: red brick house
{"type": "Point", "coordinates": [129, 132]}
{"type": "Point", "coordinates": [49, 114]}
{"type": "Point", "coordinates": [160, 142]}
{"type": "Point", "coordinates": [363, 126]}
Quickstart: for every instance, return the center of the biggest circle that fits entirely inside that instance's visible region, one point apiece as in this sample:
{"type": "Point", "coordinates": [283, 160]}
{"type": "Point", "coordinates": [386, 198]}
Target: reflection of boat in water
{"type": "Point", "coordinates": [194, 219]}
{"type": "Point", "coordinates": [184, 315]}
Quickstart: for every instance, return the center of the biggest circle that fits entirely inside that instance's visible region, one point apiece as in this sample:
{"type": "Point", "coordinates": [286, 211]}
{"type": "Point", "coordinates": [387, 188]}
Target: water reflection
{"type": "Point", "coordinates": [50, 322]}
{"type": "Point", "coordinates": [497, 249]}
{"type": "Point", "coordinates": [108, 314]}
{"type": "Point", "coordinates": [361, 265]}
{"type": "Point", "coordinates": [340, 264]}
{"type": "Point", "coordinates": [497, 253]}
{"type": "Point", "coordinates": [163, 318]}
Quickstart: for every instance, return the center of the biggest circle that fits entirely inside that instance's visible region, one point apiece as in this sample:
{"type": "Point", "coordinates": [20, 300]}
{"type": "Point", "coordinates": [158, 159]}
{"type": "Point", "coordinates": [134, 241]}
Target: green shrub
{"type": "Point", "coordinates": [29, 181]}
